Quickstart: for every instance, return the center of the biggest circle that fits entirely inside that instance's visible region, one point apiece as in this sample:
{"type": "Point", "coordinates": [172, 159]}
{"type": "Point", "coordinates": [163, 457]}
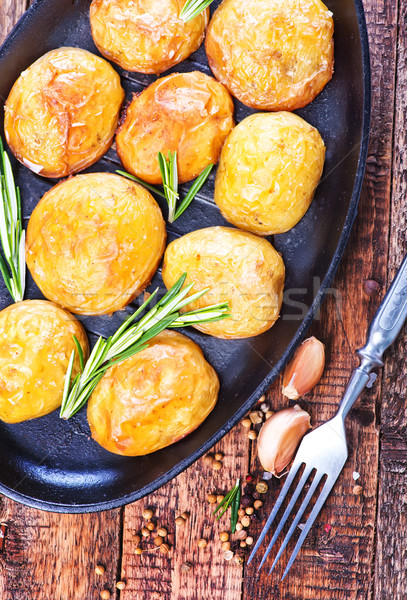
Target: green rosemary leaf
{"type": "Point", "coordinates": [192, 8]}
{"type": "Point", "coordinates": [198, 183]}
{"type": "Point", "coordinates": [68, 376]}
{"type": "Point", "coordinates": [80, 352]}
{"type": "Point", "coordinates": [235, 508]}
{"type": "Point", "coordinates": [141, 182]}
{"type": "Point", "coordinates": [224, 501]}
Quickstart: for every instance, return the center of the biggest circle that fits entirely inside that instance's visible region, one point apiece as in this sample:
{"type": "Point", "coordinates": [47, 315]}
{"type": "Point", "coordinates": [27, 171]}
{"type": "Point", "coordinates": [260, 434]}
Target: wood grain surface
{"type": "Point", "coordinates": [357, 548]}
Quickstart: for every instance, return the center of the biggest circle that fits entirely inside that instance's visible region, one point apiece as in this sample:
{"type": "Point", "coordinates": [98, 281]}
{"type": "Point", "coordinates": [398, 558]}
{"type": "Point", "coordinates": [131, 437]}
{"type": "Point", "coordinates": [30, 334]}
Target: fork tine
{"type": "Point", "coordinates": [280, 499]}
{"type": "Point", "coordinates": [294, 497]}
{"type": "Point", "coordinates": [314, 513]}
{"type": "Point", "coordinates": [298, 516]}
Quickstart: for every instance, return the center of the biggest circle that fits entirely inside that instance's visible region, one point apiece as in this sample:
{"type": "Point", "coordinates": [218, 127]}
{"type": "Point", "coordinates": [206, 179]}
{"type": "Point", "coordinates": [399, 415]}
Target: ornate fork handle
{"type": "Point", "coordinates": [383, 330]}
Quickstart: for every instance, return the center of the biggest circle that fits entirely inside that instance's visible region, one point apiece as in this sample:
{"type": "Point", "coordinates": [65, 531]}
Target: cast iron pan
{"type": "Point", "coordinates": [54, 465]}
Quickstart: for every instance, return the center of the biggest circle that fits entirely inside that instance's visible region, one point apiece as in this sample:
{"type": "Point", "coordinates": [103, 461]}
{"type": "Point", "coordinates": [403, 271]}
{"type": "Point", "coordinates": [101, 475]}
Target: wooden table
{"type": "Point", "coordinates": [357, 549]}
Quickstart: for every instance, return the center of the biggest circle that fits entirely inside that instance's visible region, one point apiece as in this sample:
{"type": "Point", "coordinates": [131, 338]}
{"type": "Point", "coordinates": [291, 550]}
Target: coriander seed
{"type": "Point", "coordinates": [164, 548]}
{"type": "Point", "coordinates": [105, 594]}
{"type": "Point", "coordinates": [145, 532]}
{"type": "Point", "coordinates": [161, 531]}
{"type": "Point", "coordinates": [100, 570]}
{"type": "Point", "coordinates": [240, 512]}
{"type": "Point", "coordinates": [217, 465]}
{"type": "Point", "coordinates": [249, 540]}
{"type": "Point", "coordinates": [252, 435]}
{"type": "Point", "coordinates": [150, 526]}
{"type": "Point", "coordinates": [185, 515]}
{"type": "Point", "coordinates": [158, 540]}
{"type": "Point", "coordinates": [261, 399]}
{"type": "Point", "coordinates": [243, 544]}
{"type": "Point", "coordinates": [185, 567]}
{"type": "Point", "coordinates": [138, 551]}
{"type": "Point", "coordinates": [245, 521]}
{"type": "Point", "coordinates": [208, 459]}
{"type": "Point", "coordinates": [211, 498]}
{"type": "Point", "coordinates": [258, 504]}
{"type": "Point", "coordinates": [121, 585]}
{"type": "Point", "coordinates": [136, 538]}
{"type": "Point", "coordinates": [255, 417]}
{"type": "Point", "coordinates": [246, 423]}
{"type": "Point", "coordinates": [269, 414]}
{"type": "Point", "coordinates": [249, 510]}
{"type": "Point", "coordinates": [219, 498]}
{"type": "Point", "coordinates": [242, 535]}
{"type": "Point", "coordinates": [147, 514]}
{"type": "Point", "coordinates": [228, 555]}
{"type": "Point", "coordinates": [179, 521]}
{"type": "Point", "coordinates": [224, 536]}
{"type": "Point", "coordinates": [226, 546]}
{"type": "Point", "coordinates": [219, 455]}
{"type": "Point", "coordinates": [239, 526]}
{"type": "Point", "coordinates": [202, 543]}
{"type": "Point", "coordinates": [357, 490]}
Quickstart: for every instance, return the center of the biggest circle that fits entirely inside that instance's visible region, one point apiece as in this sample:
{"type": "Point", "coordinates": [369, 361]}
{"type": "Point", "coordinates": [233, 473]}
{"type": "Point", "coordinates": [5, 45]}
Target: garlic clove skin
{"type": "Point", "coordinates": [305, 369]}
{"type": "Point", "coordinates": [280, 436]}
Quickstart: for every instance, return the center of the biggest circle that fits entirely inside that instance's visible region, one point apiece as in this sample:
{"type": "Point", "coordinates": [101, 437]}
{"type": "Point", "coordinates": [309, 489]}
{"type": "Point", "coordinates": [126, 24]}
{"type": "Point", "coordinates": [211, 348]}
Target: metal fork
{"type": "Point", "coordinates": [323, 452]}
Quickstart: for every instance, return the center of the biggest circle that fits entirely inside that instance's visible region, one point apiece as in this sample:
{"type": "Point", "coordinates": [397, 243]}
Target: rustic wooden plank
{"type": "Point", "coordinates": [391, 568]}
{"type": "Point", "coordinates": [10, 12]}
{"type": "Point", "coordinates": [338, 564]}
{"type": "Point", "coordinates": [153, 576]}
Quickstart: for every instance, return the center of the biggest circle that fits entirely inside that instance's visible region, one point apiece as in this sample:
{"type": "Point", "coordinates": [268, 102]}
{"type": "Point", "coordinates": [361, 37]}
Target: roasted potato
{"type": "Point", "coordinates": [94, 241]}
{"type": "Point", "coordinates": [153, 398]}
{"type": "Point", "coordinates": [239, 268]}
{"type": "Point", "coordinates": [62, 112]}
{"type": "Point", "coordinates": [272, 54]}
{"type": "Point", "coordinates": [147, 35]}
{"type": "Point", "coordinates": [187, 112]}
{"type": "Point", "coordinates": [35, 349]}
{"type": "Point", "coordinates": [269, 168]}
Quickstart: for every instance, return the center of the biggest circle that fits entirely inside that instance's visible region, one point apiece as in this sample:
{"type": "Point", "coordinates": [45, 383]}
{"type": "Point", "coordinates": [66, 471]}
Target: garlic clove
{"type": "Point", "coordinates": [280, 436]}
{"type": "Point", "coordinates": [305, 369]}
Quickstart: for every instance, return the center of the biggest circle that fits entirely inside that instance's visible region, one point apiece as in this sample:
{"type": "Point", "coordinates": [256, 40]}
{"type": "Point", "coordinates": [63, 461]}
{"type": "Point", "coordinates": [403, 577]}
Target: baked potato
{"type": "Point", "coordinates": [62, 112]}
{"type": "Point", "coordinates": [269, 168]}
{"type": "Point", "coordinates": [94, 241]}
{"type": "Point", "coordinates": [36, 346]}
{"type": "Point", "coordinates": [272, 54]}
{"type": "Point", "coordinates": [147, 35]}
{"type": "Point", "coordinates": [239, 268]}
{"type": "Point", "coordinates": [187, 112]}
{"type": "Point", "coordinates": [153, 398]}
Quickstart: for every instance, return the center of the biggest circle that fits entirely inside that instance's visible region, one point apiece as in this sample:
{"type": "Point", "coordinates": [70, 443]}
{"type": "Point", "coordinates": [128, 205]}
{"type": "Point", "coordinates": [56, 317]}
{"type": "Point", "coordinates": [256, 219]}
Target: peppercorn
{"type": "Point", "coordinates": [164, 548]}
{"type": "Point", "coordinates": [246, 423]}
{"type": "Point", "coordinates": [226, 545]}
{"type": "Point", "coordinates": [262, 487]}
{"type": "Point", "coordinates": [105, 594]}
{"type": "Point", "coordinates": [249, 540]}
{"type": "Point", "coordinates": [246, 500]}
{"type": "Point", "coordinates": [100, 570]}
{"type": "Point", "coordinates": [150, 526]}
{"type": "Point", "coordinates": [138, 551]}
{"type": "Point", "coordinates": [185, 515]}
{"type": "Point", "coordinates": [179, 521]}
{"type": "Point", "coordinates": [185, 567]}
{"type": "Point", "coordinates": [121, 585]}
{"type": "Point", "coordinates": [219, 498]}
{"type": "Point", "coordinates": [258, 504]}
{"type": "Point", "coordinates": [202, 543]}
{"type": "Point", "coordinates": [228, 555]}
{"type": "Point", "coordinates": [248, 488]}
{"type": "Point", "coordinates": [145, 532]}
{"type": "Point", "coordinates": [256, 495]}
{"type": "Point", "coordinates": [249, 510]}
{"type": "Point", "coordinates": [240, 512]}
{"type": "Point", "coordinates": [162, 532]}
{"type": "Point", "coordinates": [357, 490]}
{"type": "Point", "coordinates": [217, 465]}
{"type": "Point", "coordinates": [219, 455]}
{"type": "Point", "coordinates": [224, 536]}
{"type": "Point", "coordinates": [245, 521]}
{"type": "Point", "coordinates": [147, 514]}
{"type": "Point", "coordinates": [136, 538]}
{"type": "Point", "coordinates": [211, 498]}
{"type": "Point", "coordinates": [239, 526]}
{"type": "Point", "coordinates": [252, 435]}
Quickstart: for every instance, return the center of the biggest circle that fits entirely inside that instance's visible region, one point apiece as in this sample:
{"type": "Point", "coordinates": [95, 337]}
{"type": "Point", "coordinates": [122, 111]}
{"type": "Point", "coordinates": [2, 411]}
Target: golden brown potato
{"type": "Point", "coordinates": [147, 35]}
{"type": "Point", "coordinates": [36, 344]}
{"type": "Point", "coordinates": [94, 242]}
{"type": "Point", "coordinates": [239, 268]}
{"type": "Point", "coordinates": [62, 112]}
{"type": "Point", "coordinates": [187, 112]}
{"type": "Point", "coordinates": [269, 168]}
{"type": "Point", "coordinates": [154, 398]}
{"type": "Point", "coordinates": [272, 54]}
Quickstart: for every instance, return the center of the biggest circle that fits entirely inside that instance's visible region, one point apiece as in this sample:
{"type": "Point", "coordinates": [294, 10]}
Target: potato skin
{"type": "Point", "coordinates": [145, 35]}
{"type": "Point", "coordinates": [269, 169]}
{"type": "Point", "coordinates": [187, 112]}
{"type": "Point", "coordinates": [62, 112]}
{"type": "Point", "coordinates": [272, 54]}
{"type": "Point", "coordinates": [238, 267]}
{"type": "Point", "coordinates": [153, 398]}
{"type": "Point", "coordinates": [94, 241]}
{"type": "Point", "coordinates": [36, 345]}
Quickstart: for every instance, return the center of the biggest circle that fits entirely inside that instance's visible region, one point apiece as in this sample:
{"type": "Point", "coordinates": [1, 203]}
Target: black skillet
{"type": "Point", "coordinates": [54, 465]}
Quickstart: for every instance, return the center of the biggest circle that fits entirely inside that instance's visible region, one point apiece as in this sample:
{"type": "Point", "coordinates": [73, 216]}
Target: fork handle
{"type": "Point", "coordinates": [384, 329]}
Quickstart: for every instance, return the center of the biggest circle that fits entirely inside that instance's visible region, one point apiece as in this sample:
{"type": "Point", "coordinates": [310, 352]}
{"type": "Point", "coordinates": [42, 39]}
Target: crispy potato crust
{"type": "Point", "coordinates": [269, 168]}
{"type": "Point", "coordinates": [145, 35]}
{"type": "Point", "coordinates": [154, 398]}
{"type": "Point", "coordinates": [272, 54]}
{"type": "Point", "coordinates": [187, 112]}
{"type": "Point", "coordinates": [94, 241]}
{"type": "Point", "coordinates": [62, 112]}
{"type": "Point", "coordinates": [36, 345]}
{"type": "Point", "coordinates": [238, 267]}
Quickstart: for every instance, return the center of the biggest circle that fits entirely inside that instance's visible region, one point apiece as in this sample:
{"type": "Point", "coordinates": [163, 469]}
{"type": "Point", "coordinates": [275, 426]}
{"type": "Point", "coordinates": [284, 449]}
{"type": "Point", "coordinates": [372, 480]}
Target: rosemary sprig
{"type": "Point", "coordinates": [192, 8]}
{"type": "Point", "coordinates": [132, 337]}
{"type": "Point", "coordinates": [232, 500]}
{"type": "Point", "coordinates": [169, 174]}
{"type": "Point", "coordinates": [12, 235]}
